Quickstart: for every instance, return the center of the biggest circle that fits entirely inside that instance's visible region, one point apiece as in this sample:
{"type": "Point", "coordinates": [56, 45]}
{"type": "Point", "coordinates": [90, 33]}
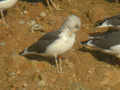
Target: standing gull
{"type": "Point", "coordinates": [57, 42]}
{"type": "Point", "coordinates": [5, 4]}
{"type": "Point", "coordinates": [108, 42]}
{"type": "Point", "coordinates": [113, 21]}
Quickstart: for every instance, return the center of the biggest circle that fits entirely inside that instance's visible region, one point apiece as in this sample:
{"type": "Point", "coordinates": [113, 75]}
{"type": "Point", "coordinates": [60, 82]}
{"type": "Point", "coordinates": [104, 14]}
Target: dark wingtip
{"type": "Point", "coordinates": [83, 42]}
{"type": "Point", "coordinates": [98, 23]}
{"type": "Point", "coordinates": [24, 52]}
{"type": "Point", "coordinates": [21, 53]}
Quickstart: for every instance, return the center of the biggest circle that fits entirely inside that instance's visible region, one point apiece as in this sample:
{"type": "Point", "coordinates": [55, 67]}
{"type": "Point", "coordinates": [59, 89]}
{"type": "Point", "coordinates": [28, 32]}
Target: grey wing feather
{"type": "Point", "coordinates": [41, 45]}
{"type": "Point", "coordinates": [107, 39]}
{"type": "Point", "coordinates": [115, 20]}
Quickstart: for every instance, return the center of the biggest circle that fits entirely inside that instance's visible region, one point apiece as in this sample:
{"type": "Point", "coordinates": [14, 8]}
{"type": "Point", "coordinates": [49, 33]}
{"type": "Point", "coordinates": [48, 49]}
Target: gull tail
{"type": "Point", "coordinates": [103, 23]}
{"type": "Point", "coordinates": [88, 43]}
{"type": "Point", "coordinates": [30, 50]}
{"type": "Point", "coordinates": [24, 52]}
{"type": "Point", "coordinates": [99, 23]}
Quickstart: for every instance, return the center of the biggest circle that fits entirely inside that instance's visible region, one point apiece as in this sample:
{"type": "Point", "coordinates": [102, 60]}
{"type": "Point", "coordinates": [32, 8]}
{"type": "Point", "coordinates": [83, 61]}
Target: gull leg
{"type": "Point", "coordinates": [2, 17]}
{"type": "Point", "coordinates": [54, 5]}
{"type": "Point", "coordinates": [60, 64]}
{"type": "Point", "coordinates": [48, 3]}
{"type": "Point", "coordinates": [56, 62]}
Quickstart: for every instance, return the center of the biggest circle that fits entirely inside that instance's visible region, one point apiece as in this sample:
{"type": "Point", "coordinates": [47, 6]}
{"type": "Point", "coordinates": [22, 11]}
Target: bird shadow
{"type": "Point", "coordinates": [111, 1]}
{"type": "Point", "coordinates": [35, 1]}
{"type": "Point", "coordinates": [101, 56]}
{"type": "Point", "coordinates": [35, 57]}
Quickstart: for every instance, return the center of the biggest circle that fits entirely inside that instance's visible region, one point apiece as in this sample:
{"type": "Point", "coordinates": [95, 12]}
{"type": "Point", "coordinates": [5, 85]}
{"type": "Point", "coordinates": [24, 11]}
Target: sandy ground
{"type": "Point", "coordinates": [83, 69]}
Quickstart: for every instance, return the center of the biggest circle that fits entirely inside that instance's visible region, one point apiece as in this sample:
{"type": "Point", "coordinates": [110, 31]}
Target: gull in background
{"type": "Point", "coordinates": [113, 21]}
{"type": "Point", "coordinates": [57, 42]}
{"type": "Point", "coordinates": [108, 42]}
{"type": "Point", "coordinates": [5, 4]}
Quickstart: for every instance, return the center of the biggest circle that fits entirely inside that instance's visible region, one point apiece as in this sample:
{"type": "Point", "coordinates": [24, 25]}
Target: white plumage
{"type": "Point", "coordinates": [64, 43]}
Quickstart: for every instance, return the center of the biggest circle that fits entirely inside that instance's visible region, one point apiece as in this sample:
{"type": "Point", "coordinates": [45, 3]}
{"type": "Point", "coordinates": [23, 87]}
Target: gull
{"type": "Point", "coordinates": [108, 42]}
{"type": "Point", "coordinates": [113, 21]}
{"type": "Point", "coordinates": [5, 4]}
{"type": "Point", "coordinates": [57, 42]}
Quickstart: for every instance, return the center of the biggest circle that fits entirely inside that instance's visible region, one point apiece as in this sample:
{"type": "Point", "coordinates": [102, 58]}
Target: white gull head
{"type": "Point", "coordinates": [72, 23]}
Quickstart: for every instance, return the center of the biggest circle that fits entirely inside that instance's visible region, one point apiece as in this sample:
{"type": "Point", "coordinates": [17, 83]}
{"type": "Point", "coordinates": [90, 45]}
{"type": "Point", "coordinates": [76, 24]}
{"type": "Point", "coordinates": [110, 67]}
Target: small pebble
{"type": "Point", "coordinates": [24, 12]}
{"type": "Point", "coordinates": [43, 14]}
{"type": "Point", "coordinates": [32, 22]}
{"type": "Point", "coordinates": [25, 85]}
{"type": "Point", "coordinates": [11, 74]}
{"type": "Point", "coordinates": [51, 22]}
{"type": "Point", "coordinates": [2, 43]}
{"type": "Point", "coordinates": [77, 86]}
{"type": "Point", "coordinates": [21, 22]}
{"type": "Point", "coordinates": [41, 83]}
{"type": "Point", "coordinates": [37, 27]}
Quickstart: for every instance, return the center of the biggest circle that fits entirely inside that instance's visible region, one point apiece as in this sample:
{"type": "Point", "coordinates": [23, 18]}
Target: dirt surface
{"type": "Point", "coordinates": [83, 69]}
